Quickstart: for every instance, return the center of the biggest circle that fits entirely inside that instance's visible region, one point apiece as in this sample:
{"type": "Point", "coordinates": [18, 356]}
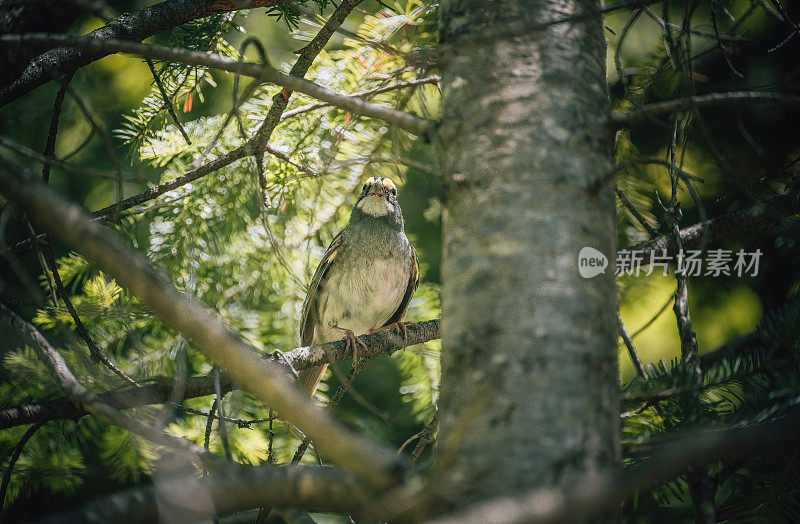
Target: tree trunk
{"type": "Point", "coordinates": [529, 394]}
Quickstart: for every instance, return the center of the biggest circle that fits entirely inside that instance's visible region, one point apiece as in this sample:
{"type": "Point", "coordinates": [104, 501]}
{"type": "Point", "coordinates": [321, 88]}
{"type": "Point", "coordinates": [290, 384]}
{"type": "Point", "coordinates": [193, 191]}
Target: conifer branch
{"type": "Point", "coordinates": [266, 380]}
{"type": "Point", "coordinates": [380, 343]}
{"type": "Point", "coordinates": [131, 26]}
{"type": "Point", "coordinates": [79, 395]}
{"type": "Point", "coordinates": [263, 72]}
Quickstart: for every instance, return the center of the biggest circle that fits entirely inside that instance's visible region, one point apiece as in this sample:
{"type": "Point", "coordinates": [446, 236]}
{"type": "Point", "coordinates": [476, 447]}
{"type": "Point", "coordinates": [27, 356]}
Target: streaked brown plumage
{"type": "Point", "coordinates": [366, 278]}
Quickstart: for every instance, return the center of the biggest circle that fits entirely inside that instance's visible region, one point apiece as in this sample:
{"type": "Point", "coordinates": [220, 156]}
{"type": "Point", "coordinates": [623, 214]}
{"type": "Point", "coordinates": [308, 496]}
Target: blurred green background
{"type": "Point", "coordinates": [214, 242]}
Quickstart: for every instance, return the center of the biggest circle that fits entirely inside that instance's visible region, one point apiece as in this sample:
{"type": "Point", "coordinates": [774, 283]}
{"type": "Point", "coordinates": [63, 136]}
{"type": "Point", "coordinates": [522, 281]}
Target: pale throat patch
{"type": "Point", "coordinates": [375, 206]}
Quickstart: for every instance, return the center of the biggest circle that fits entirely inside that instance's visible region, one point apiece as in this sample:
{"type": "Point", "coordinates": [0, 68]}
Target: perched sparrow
{"type": "Point", "coordinates": [365, 280]}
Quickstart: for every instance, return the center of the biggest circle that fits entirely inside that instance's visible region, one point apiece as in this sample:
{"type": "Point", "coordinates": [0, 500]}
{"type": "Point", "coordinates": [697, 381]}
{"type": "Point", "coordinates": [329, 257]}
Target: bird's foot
{"type": "Point", "coordinates": [352, 341]}
{"type": "Point", "coordinates": [397, 327]}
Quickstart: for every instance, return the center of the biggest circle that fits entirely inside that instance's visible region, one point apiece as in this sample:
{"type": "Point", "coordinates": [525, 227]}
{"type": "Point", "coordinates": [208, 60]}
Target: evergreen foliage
{"type": "Point", "coordinates": [216, 241]}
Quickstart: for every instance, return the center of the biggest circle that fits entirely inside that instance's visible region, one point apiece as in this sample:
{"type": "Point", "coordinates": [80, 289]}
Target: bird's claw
{"type": "Point", "coordinates": [352, 342]}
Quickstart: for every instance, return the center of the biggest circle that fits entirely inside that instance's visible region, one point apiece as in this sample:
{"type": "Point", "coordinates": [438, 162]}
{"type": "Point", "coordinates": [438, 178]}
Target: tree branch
{"type": "Point", "coordinates": [133, 26]}
{"type": "Point", "coordinates": [79, 395]}
{"type": "Point", "coordinates": [107, 212]}
{"type": "Point", "coordinates": [312, 487]}
{"type": "Point", "coordinates": [433, 79]}
{"type": "Point", "coordinates": [724, 226]}
{"type": "Point", "coordinates": [12, 461]}
{"type": "Point", "coordinates": [380, 343]}
{"type": "Point", "coordinates": [628, 340]}
{"type": "Point", "coordinates": [262, 72]}
{"type": "Point", "coordinates": [266, 380]}
{"type": "Point", "coordinates": [669, 459]}
{"type": "Point", "coordinates": [265, 130]}
{"type": "Point", "coordinates": [626, 119]}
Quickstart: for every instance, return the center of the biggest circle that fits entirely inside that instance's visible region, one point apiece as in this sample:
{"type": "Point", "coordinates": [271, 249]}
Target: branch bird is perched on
{"type": "Point", "coordinates": [364, 281]}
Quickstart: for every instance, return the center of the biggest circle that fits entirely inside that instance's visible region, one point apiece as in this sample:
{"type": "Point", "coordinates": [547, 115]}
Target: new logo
{"type": "Point", "coordinates": [591, 262]}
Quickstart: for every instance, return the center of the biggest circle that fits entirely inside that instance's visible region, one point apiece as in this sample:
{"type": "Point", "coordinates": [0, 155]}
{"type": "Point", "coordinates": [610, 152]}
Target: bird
{"type": "Point", "coordinates": [365, 280]}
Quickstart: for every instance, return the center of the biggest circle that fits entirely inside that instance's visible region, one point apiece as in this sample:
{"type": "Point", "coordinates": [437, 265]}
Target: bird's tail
{"type": "Point", "coordinates": [309, 378]}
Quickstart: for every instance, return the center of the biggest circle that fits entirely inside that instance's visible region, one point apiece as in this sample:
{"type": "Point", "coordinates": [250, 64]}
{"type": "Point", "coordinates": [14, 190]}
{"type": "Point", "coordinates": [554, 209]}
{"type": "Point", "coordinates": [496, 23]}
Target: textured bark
{"type": "Point", "coordinates": [529, 384]}
{"type": "Point", "coordinates": [21, 17]}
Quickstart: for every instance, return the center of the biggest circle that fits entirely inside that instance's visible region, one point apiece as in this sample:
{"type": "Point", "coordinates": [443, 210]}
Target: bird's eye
{"type": "Point", "coordinates": [393, 191]}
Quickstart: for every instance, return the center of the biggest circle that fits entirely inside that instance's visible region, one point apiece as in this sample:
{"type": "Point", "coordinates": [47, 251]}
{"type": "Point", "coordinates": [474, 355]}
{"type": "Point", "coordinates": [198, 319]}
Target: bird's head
{"type": "Point", "coordinates": [378, 197]}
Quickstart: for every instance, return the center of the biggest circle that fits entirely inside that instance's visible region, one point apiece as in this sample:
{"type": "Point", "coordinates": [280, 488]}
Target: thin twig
{"type": "Point", "coordinates": [628, 118]}
{"type": "Point", "coordinates": [66, 166]}
{"type": "Point", "coordinates": [58, 104]}
{"type": "Point", "coordinates": [426, 438]}
{"type": "Point", "coordinates": [635, 212]}
{"type": "Point", "coordinates": [107, 212]}
{"type": "Point", "coordinates": [277, 154]}
{"type": "Point", "coordinates": [94, 351]}
{"type": "Point", "coordinates": [626, 337]}
{"type": "Point", "coordinates": [654, 317]}
{"type": "Point", "coordinates": [433, 79]}
{"type": "Point", "coordinates": [694, 31]}
{"type": "Point", "coordinates": [13, 461]}
{"type": "Point", "coordinates": [223, 431]}
{"type": "Point", "coordinates": [239, 422]}
{"type": "Point", "coordinates": [343, 387]}
{"type": "Point", "coordinates": [723, 226]}
{"type": "Point", "coordinates": [167, 99]}
{"type": "Point", "coordinates": [109, 146]}
{"type": "Point", "coordinates": [66, 381]}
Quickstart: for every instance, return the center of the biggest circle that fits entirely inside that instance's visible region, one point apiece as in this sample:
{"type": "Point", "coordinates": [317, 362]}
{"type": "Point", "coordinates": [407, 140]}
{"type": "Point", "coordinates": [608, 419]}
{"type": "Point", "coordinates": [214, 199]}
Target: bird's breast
{"type": "Point", "coordinates": [363, 294]}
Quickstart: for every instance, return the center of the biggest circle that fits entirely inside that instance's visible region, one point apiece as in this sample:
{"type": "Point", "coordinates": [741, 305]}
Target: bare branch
{"type": "Point", "coordinates": [381, 343]}
{"type": "Point", "coordinates": [134, 26]}
{"type": "Point", "coordinates": [155, 393]}
{"type": "Point", "coordinates": [167, 101]}
{"type": "Point", "coordinates": [433, 79]}
{"type": "Point", "coordinates": [50, 160]}
{"type": "Point", "coordinates": [626, 337]}
{"type": "Point", "coordinates": [50, 147]}
{"type": "Point", "coordinates": [699, 32]}
{"type": "Point", "coordinates": [262, 72]}
{"type": "Point", "coordinates": [726, 225]}
{"type": "Point", "coordinates": [107, 212]}
{"type": "Point", "coordinates": [626, 119]}
{"type": "Point", "coordinates": [281, 156]}
{"type": "Point", "coordinates": [635, 212]}
{"type": "Point", "coordinates": [313, 487]}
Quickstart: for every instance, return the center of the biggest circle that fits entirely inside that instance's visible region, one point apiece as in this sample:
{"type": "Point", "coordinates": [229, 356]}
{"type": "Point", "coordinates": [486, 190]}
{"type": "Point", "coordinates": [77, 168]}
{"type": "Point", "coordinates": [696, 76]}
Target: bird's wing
{"type": "Point", "coordinates": [310, 316]}
{"type": "Point", "coordinates": [413, 281]}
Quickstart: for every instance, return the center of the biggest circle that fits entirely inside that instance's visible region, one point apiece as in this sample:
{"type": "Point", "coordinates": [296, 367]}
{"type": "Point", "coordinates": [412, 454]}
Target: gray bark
{"type": "Point", "coordinates": [529, 395]}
